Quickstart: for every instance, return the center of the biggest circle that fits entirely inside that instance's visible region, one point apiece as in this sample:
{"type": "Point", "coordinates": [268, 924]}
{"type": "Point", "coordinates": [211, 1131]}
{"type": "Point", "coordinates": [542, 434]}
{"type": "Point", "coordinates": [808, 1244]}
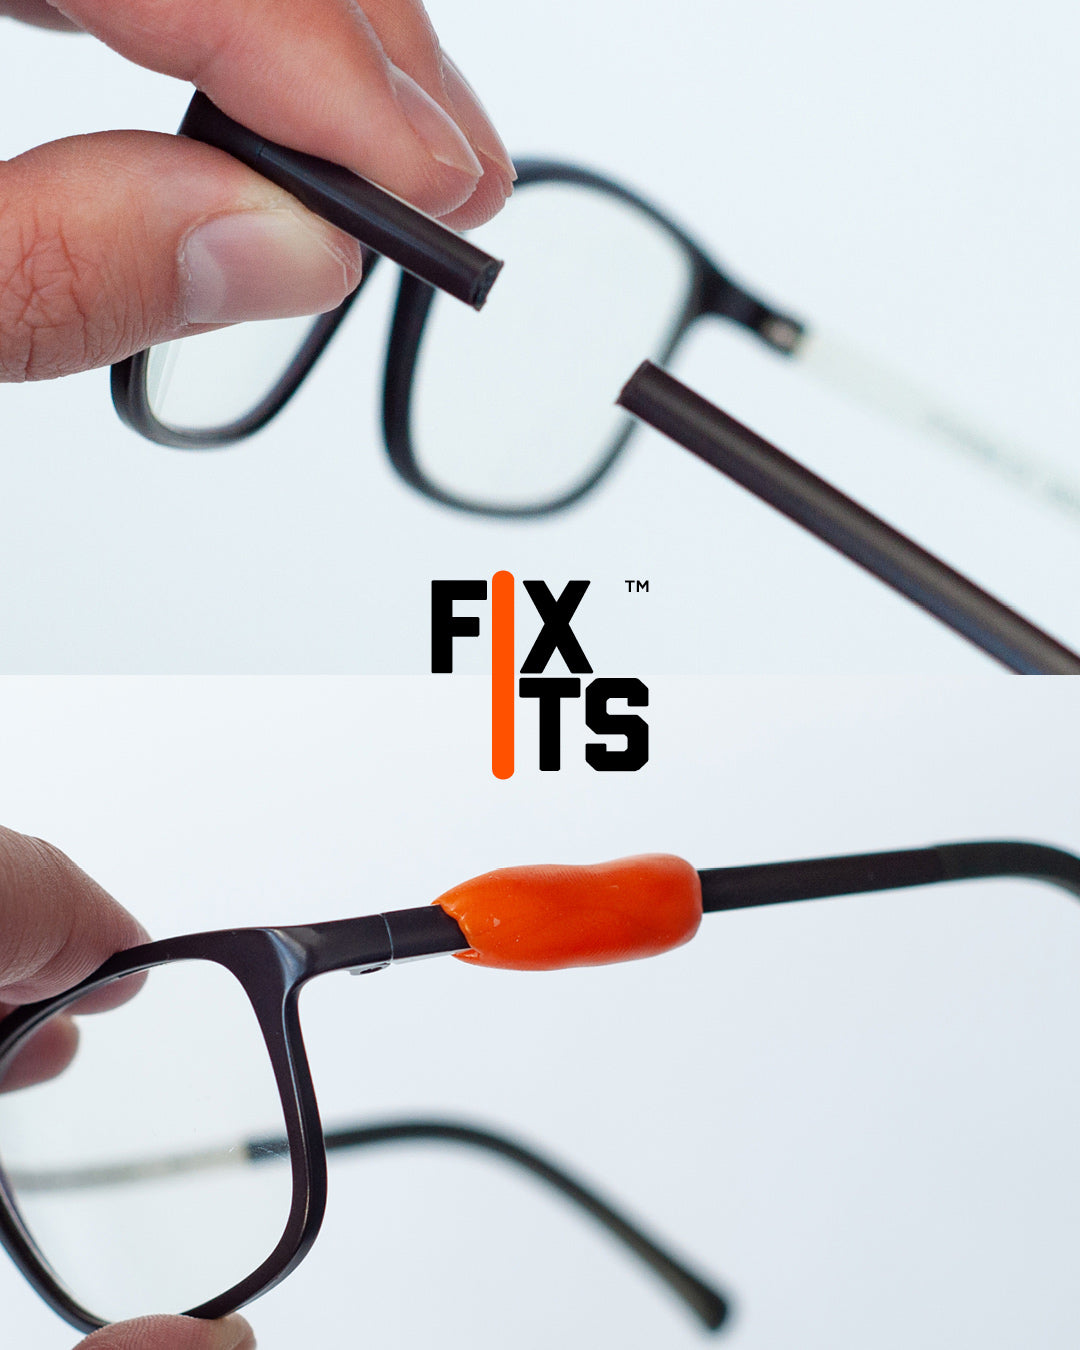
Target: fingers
{"type": "Point", "coordinates": [113, 242]}
{"type": "Point", "coordinates": [499, 173]}
{"type": "Point", "coordinates": [47, 1053]}
{"type": "Point", "coordinates": [173, 1333]}
{"type": "Point", "coordinates": [361, 87]}
{"type": "Point", "coordinates": [56, 924]}
{"type": "Point", "coordinates": [52, 1047]}
{"type": "Point", "coordinates": [411, 43]}
{"type": "Point", "coordinates": [38, 12]}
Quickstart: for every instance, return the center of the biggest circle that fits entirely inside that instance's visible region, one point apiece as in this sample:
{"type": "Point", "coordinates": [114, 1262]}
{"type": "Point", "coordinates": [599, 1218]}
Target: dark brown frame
{"type": "Point", "coordinates": [273, 965]}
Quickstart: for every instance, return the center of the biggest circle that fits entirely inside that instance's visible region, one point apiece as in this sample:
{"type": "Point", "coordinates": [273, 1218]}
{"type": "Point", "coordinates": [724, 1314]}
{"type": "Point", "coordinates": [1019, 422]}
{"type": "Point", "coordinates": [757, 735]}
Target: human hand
{"type": "Point", "coordinates": [56, 926]}
{"type": "Point", "coordinates": [113, 242]}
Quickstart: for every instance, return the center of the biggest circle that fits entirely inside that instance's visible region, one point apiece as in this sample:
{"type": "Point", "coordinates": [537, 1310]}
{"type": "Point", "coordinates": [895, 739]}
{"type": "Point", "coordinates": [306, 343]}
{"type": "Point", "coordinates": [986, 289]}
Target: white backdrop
{"type": "Point", "coordinates": [860, 1115]}
{"type": "Point", "coordinates": [907, 178]}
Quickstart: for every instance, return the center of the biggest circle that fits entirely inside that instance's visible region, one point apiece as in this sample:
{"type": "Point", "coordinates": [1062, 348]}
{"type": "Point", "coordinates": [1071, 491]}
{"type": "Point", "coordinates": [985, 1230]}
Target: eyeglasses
{"type": "Point", "coordinates": [511, 414]}
{"type": "Point", "coordinates": [150, 1174]}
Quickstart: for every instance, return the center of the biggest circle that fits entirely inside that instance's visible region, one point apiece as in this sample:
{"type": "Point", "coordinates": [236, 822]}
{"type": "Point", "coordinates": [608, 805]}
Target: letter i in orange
{"type": "Point", "coordinates": [502, 675]}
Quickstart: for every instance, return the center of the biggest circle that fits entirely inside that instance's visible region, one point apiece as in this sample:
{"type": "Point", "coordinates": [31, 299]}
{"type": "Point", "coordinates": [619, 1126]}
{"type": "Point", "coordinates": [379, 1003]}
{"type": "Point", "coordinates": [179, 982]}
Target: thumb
{"type": "Point", "coordinates": [113, 242]}
{"type": "Point", "coordinates": [173, 1333]}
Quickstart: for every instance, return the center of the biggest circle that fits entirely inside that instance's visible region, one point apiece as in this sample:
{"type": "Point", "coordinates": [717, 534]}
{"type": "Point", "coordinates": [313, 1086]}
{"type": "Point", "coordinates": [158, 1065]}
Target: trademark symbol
{"type": "Point", "coordinates": [634, 586]}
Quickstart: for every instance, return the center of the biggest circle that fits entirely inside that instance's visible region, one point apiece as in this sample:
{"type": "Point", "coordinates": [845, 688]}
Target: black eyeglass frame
{"type": "Point", "coordinates": [710, 292]}
{"type": "Point", "coordinates": [273, 964]}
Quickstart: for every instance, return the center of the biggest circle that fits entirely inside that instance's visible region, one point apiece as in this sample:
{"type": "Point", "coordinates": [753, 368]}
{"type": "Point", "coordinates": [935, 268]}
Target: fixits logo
{"type": "Point", "coordinates": [626, 747]}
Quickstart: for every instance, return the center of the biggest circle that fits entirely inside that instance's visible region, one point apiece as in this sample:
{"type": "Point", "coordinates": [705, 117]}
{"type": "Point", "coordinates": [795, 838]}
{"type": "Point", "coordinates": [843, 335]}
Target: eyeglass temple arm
{"type": "Point", "coordinates": [854, 372]}
{"type": "Point", "coordinates": [837, 520]}
{"type": "Point", "coordinates": [726, 888]}
{"type": "Point", "coordinates": [710, 1306]}
{"type": "Point", "coordinates": [851, 370]}
{"type": "Point", "coordinates": [377, 218]}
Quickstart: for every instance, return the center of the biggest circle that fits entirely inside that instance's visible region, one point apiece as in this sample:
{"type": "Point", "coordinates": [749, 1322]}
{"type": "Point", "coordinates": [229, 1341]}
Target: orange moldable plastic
{"type": "Point", "coordinates": [552, 916]}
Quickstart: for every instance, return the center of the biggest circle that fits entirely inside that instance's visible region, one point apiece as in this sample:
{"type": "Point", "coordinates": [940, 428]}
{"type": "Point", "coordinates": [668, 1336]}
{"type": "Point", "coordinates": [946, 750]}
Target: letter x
{"type": "Point", "coordinates": [555, 635]}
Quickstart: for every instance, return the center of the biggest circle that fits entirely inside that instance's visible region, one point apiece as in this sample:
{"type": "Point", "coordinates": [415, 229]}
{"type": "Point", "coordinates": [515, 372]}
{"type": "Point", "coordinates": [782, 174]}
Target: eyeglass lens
{"type": "Point", "coordinates": [213, 380]}
{"type": "Point", "coordinates": [515, 411]}
{"type": "Point", "coordinates": [139, 1146]}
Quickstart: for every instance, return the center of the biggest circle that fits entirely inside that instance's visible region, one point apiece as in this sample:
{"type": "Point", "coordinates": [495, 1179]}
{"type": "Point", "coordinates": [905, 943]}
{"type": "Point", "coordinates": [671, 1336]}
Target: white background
{"type": "Point", "coordinates": [907, 177]}
{"type": "Point", "coordinates": [859, 1114]}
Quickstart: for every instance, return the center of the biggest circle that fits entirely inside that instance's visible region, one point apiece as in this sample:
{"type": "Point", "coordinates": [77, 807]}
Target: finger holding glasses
{"type": "Point", "coordinates": [111, 242]}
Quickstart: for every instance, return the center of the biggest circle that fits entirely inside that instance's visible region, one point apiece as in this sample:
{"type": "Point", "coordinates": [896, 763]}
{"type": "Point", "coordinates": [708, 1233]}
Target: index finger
{"type": "Point", "coordinates": [314, 77]}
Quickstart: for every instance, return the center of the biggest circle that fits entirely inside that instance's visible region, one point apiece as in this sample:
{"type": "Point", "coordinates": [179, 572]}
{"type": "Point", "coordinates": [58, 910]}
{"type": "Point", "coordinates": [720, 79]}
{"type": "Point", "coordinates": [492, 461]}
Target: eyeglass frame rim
{"type": "Point", "coordinates": [409, 323]}
{"type": "Point", "coordinates": [710, 291]}
{"type": "Point", "coordinates": [272, 965]}
{"type": "Point", "coordinates": [292, 957]}
{"type": "Point", "coordinates": [128, 384]}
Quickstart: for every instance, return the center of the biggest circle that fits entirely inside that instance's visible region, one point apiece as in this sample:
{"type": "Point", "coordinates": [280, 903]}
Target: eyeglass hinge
{"type": "Point", "coordinates": [413, 934]}
{"type": "Point", "coordinates": [381, 963]}
{"type": "Point", "coordinates": [728, 300]}
{"type": "Point", "coordinates": [368, 970]}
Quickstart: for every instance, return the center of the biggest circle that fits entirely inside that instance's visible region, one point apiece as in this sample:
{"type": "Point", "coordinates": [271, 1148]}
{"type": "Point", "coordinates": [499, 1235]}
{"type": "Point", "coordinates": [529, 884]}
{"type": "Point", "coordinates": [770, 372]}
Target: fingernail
{"type": "Point", "coordinates": [443, 137]}
{"type": "Point", "coordinates": [474, 115]}
{"type": "Point", "coordinates": [261, 265]}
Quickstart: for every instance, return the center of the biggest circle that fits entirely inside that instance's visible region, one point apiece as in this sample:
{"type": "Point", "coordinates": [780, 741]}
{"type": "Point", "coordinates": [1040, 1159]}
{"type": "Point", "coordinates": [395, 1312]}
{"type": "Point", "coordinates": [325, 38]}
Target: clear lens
{"type": "Point", "coordinates": [208, 382]}
{"type": "Point", "coordinates": [514, 408]}
{"type": "Point", "coordinates": [132, 1168]}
